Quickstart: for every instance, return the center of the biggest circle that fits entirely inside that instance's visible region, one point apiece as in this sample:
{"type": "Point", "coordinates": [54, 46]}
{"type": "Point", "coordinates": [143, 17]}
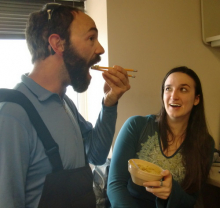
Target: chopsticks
{"type": "Point", "coordinates": [102, 68]}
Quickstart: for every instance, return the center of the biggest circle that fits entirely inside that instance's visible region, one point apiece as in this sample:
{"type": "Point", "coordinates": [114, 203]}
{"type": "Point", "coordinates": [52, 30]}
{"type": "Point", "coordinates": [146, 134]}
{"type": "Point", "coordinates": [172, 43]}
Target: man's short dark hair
{"type": "Point", "coordinates": [39, 28]}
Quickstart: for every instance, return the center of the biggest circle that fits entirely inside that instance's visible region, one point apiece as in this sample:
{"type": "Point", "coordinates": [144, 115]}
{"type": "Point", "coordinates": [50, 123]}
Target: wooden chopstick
{"type": "Point", "coordinates": [101, 68]}
{"type": "Point", "coordinates": [104, 67]}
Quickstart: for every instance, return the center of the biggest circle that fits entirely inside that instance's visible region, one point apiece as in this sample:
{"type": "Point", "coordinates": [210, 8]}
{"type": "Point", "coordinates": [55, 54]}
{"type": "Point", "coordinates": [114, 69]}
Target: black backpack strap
{"type": "Point", "coordinates": [51, 147]}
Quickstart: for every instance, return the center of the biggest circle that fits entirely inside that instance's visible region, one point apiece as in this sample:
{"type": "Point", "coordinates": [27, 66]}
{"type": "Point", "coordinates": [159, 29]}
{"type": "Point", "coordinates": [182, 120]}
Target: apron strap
{"type": "Point", "coordinates": [51, 147]}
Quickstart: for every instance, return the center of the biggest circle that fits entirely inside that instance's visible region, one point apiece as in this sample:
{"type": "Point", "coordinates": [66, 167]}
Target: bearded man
{"type": "Point", "coordinates": [63, 42]}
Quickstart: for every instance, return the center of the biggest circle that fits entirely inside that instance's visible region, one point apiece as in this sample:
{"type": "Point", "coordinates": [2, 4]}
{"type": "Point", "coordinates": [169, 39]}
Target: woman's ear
{"type": "Point", "coordinates": [56, 44]}
{"type": "Point", "coordinates": [197, 100]}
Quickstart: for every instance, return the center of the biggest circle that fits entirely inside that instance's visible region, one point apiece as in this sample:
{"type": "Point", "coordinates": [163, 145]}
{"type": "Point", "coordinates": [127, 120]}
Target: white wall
{"type": "Point", "coordinates": [154, 36]}
{"type": "Point", "coordinates": [97, 10]}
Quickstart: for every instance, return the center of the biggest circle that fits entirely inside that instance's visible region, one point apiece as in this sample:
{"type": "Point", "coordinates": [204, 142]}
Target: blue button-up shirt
{"type": "Point", "coordinates": [23, 162]}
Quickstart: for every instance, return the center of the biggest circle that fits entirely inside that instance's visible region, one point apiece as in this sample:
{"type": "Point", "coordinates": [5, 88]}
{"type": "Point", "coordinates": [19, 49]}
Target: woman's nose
{"type": "Point", "coordinates": [174, 95]}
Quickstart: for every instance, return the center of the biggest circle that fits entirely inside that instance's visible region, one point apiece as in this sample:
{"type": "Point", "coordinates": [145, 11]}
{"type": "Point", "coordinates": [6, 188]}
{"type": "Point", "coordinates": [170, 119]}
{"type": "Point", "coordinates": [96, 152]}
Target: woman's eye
{"type": "Point", "coordinates": [183, 89]}
{"type": "Point", "coordinates": [167, 89]}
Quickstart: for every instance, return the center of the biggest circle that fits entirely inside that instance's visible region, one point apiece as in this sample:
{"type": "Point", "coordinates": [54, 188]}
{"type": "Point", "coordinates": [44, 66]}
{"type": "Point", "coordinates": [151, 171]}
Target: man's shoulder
{"type": "Point", "coordinates": [13, 110]}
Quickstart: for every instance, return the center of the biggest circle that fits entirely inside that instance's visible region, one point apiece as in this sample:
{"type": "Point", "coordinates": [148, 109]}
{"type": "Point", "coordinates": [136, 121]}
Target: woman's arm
{"type": "Point", "coordinates": [124, 149]}
{"type": "Point", "coordinates": [178, 198]}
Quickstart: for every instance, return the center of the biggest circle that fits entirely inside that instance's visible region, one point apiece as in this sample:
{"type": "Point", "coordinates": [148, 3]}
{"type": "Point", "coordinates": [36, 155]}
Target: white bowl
{"type": "Point", "coordinates": [146, 172]}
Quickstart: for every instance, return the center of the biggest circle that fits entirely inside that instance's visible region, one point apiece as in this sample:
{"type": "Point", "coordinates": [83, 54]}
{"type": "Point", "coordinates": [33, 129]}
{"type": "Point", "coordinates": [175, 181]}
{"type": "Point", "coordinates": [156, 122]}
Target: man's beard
{"type": "Point", "coordinates": [78, 68]}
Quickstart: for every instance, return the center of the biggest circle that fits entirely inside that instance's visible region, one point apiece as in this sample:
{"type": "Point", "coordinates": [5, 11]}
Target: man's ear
{"type": "Point", "coordinates": [56, 44]}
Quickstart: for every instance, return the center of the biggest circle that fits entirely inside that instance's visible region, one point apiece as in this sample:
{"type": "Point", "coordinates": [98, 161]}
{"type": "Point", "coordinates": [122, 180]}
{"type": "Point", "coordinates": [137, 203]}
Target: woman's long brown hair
{"type": "Point", "coordinates": [198, 144]}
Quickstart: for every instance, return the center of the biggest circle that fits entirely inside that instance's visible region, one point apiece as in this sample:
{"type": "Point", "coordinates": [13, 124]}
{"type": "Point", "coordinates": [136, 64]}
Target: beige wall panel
{"type": "Point", "coordinates": [154, 36]}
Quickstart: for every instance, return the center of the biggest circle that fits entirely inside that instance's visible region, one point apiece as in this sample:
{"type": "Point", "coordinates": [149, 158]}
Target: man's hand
{"type": "Point", "coordinates": [155, 187]}
{"type": "Point", "coordinates": [116, 84]}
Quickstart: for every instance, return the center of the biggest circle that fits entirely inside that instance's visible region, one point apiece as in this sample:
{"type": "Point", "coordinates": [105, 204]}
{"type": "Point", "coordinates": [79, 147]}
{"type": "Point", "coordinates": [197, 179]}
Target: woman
{"type": "Point", "coordinates": [177, 139]}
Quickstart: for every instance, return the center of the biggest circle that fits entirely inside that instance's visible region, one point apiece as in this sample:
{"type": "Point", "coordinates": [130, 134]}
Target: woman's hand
{"type": "Point", "coordinates": [116, 84]}
{"type": "Point", "coordinates": [160, 189]}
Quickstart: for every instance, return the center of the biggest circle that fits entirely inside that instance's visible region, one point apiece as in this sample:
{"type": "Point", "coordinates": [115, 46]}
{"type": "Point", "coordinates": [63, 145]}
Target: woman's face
{"type": "Point", "coordinates": [179, 96]}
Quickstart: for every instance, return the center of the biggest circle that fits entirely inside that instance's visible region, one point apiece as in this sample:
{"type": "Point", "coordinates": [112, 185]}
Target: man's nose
{"type": "Point", "coordinates": [99, 50]}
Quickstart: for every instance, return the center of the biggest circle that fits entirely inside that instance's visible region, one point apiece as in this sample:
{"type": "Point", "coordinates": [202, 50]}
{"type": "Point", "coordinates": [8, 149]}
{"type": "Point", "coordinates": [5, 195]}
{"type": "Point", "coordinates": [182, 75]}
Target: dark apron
{"type": "Point", "coordinates": [62, 188]}
{"type": "Point", "coordinates": [68, 189]}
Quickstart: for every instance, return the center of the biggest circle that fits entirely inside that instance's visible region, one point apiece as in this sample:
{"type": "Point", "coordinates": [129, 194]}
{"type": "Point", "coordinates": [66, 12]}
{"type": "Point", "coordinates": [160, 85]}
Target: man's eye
{"type": "Point", "coordinates": [91, 38]}
{"type": "Point", "coordinates": [183, 89]}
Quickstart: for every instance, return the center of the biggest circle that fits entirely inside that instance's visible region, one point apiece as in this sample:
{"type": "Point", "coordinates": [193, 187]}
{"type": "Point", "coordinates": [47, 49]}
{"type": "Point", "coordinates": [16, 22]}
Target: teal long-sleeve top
{"type": "Point", "coordinates": [133, 142]}
{"type": "Point", "coordinates": [23, 162]}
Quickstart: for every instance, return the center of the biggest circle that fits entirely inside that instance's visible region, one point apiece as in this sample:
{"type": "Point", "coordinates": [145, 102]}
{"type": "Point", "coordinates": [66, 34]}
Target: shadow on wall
{"type": "Point", "coordinates": [216, 52]}
{"type": "Point", "coordinates": [219, 134]}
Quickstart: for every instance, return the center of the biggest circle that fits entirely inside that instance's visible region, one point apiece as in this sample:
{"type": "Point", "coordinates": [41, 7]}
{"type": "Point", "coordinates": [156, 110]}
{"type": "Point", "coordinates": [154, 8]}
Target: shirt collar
{"type": "Point", "coordinates": [42, 93]}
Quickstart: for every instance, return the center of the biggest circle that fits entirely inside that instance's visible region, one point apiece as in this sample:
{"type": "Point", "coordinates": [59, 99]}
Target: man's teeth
{"type": "Point", "coordinates": [175, 105]}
